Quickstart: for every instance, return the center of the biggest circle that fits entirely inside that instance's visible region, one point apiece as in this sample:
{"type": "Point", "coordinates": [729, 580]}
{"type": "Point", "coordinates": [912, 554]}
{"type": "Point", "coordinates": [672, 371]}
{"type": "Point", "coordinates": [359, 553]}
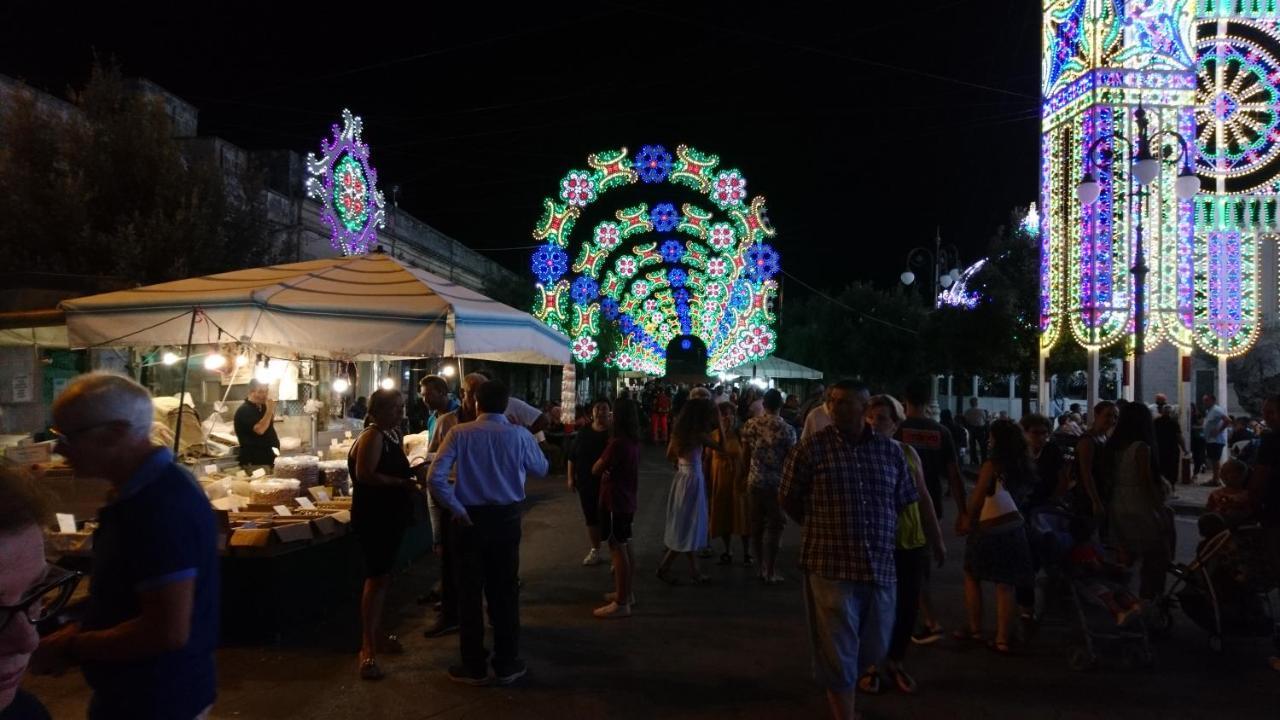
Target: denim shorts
{"type": "Point", "coordinates": [849, 627]}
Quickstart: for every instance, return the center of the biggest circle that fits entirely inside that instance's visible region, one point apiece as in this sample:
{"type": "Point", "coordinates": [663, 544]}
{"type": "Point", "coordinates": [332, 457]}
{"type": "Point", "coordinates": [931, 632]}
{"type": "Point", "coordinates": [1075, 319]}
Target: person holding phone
{"type": "Point", "coordinates": [255, 429]}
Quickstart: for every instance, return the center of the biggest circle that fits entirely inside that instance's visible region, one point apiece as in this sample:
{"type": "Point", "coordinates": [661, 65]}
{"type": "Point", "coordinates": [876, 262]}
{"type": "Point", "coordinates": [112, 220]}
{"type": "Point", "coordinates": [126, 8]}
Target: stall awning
{"type": "Point", "coordinates": [776, 368]}
{"type": "Point", "coordinates": [349, 307]}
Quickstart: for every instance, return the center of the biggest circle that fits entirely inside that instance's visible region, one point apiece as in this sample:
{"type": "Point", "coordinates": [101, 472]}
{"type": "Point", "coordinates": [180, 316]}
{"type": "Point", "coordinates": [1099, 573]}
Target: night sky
{"type": "Point", "coordinates": [863, 128]}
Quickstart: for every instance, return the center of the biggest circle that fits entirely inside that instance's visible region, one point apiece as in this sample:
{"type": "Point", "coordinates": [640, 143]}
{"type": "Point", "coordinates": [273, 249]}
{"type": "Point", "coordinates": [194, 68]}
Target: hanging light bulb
{"type": "Point", "coordinates": [242, 360]}
{"type": "Point", "coordinates": [387, 383]}
{"type": "Point", "coordinates": [215, 361]}
{"type": "Point", "coordinates": [169, 358]}
{"type": "Point", "coordinates": [448, 371]}
{"type": "Point", "coordinates": [341, 385]}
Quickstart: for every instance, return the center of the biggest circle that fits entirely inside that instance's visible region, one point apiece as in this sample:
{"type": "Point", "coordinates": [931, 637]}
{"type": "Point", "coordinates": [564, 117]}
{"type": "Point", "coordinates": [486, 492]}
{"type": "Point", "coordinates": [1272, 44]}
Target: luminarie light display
{"type": "Point", "coordinates": [673, 270]}
{"type": "Point", "coordinates": [346, 185]}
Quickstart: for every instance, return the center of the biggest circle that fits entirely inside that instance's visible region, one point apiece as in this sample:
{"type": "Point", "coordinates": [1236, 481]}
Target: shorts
{"type": "Point", "coordinates": [589, 499]}
{"type": "Point", "coordinates": [1213, 452]}
{"type": "Point", "coordinates": [616, 527]}
{"type": "Point", "coordinates": [849, 627]}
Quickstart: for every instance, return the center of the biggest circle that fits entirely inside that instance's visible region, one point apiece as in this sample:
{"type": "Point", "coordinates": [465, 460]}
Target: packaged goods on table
{"type": "Point", "coordinates": [303, 468]}
{"type": "Point", "coordinates": [273, 491]}
{"type": "Point", "coordinates": [335, 474]}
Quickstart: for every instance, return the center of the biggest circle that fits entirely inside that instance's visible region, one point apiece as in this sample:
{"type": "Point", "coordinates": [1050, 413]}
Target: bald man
{"type": "Point", "coordinates": [147, 640]}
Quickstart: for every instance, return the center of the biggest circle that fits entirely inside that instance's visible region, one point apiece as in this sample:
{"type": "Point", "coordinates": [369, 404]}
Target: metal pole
{"type": "Point", "coordinates": [182, 392]}
{"type": "Point", "coordinates": [1222, 382]}
{"type": "Point", "coordinates": [1139, 271]}
{"type": "Point", "coordinates": [1093, 381]}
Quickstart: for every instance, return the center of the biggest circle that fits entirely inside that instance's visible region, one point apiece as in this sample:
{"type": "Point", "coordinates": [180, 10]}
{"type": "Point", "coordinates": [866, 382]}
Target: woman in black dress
{"type": "Point", "coordinates": [381, 510]}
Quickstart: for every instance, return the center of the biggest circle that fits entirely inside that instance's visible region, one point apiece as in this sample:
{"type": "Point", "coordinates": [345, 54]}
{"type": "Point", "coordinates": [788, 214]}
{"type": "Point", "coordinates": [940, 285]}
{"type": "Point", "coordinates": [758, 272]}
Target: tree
{"type": "Point", "coordinates": [108, 190]}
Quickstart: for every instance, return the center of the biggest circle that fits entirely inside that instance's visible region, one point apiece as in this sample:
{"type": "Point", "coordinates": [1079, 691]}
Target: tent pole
{"type": "Point", "coordinates": [182, 392]}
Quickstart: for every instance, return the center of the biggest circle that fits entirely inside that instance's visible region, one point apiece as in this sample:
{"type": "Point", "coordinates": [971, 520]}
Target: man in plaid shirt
{"type": "Point", "coordinates": [845, 486]}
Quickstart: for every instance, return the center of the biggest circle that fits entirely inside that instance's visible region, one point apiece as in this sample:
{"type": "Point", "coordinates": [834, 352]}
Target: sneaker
{"type": "Point", "coordinates": [612, 596]}
{"type": "Point", "coordinates": [442, 626]}
{"type": "Point", "coordinates": [509, 672]}
{"type": "Point", "coordinates": [462, 674]}
{"type": "Point", "coordinates": [592, 558]}
{"type": "Point", "coordinates": [927, 636]}
{"type": "Point", "coordinates": [612, 610]}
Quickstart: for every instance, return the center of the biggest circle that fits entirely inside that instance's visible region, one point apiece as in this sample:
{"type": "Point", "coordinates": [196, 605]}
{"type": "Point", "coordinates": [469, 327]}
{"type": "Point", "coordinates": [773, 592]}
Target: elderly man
{"type": "Point", "coordinates": [846, 486]}
{"type": "Point", "coordinates": [30, 590]}
{"type": "Point", "coordinates": [147, 640]}
{"type": "Point", "coordinates": [254, 428]}
{"type": "Point", "coordinates": [492, 459]}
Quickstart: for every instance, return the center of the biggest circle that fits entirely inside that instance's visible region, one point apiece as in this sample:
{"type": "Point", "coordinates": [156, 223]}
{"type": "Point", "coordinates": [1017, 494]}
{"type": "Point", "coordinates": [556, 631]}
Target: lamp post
{"type": "Point", "coordinates": [937, 258]}
{"type": "Point", "coordinates": [1145, 169]}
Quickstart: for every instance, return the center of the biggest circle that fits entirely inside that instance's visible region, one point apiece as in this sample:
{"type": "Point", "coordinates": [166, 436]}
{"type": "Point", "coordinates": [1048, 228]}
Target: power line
{"type": "Point", "coordinates": [862, 314]}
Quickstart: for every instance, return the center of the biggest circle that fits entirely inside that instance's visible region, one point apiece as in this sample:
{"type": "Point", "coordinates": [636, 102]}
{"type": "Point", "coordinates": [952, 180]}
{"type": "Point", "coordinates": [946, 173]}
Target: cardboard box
{"type": "Point", "coordinates": [250, 537]}
{"type": "Point", "coordinates": [287, 532]}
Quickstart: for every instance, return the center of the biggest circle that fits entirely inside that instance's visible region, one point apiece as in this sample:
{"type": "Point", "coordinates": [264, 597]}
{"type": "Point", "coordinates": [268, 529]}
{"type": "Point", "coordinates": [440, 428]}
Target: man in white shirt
{"type": "Point", "coordinates": [492, 458]}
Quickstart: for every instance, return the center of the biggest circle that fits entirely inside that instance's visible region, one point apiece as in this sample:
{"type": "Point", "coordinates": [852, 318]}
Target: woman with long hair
{"type": "Point", "coordinates": [381, 510]}
{"type": "Point", "coordinates": [619, 470]}
{"type": "Point", "coordinates": [996, 550]}
{"type": "Point", "coordinates": [729, 515]}
{"type": "Point", "coordinates": [1138, 517]}
{"type": "Point", "coordinates": [686, 528]}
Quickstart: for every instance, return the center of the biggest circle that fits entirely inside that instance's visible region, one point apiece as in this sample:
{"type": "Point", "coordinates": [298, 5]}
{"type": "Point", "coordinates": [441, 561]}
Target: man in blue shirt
{"type": "Point", "coordinates": [492, 457]}
{"type": "Point", "coordinates": [147, 641]}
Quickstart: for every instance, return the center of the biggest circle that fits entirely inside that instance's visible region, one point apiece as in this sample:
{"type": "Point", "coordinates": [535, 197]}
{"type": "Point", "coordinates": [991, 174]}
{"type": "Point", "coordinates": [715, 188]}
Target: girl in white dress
{"type": "Point", "coordinates": [686, 530]}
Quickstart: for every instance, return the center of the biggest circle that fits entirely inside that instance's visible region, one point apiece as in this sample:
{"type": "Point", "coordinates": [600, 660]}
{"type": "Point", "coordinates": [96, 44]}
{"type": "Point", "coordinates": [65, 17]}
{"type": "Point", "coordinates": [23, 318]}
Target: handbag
{"type": "Point", "coordinates": [999, 509]}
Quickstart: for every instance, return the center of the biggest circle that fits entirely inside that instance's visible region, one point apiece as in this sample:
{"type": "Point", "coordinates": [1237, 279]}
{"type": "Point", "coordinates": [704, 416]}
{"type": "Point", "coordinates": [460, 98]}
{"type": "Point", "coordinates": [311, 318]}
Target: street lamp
{"type": "Point", "coordinates": [939, 258]}
{"type": "Point", "coordinates": [1145, 167]}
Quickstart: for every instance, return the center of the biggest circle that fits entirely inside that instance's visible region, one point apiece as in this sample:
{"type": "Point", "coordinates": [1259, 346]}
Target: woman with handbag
{"type": "Point", "coordinates": [1138, 515]}
{"type": "Point", "coordinates": [996, 550]}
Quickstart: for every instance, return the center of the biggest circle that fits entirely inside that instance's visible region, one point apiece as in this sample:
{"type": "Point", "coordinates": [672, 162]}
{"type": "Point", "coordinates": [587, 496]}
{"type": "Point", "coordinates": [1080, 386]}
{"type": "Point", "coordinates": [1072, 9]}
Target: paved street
{"type": "Point", "coordinates": [730, 649]}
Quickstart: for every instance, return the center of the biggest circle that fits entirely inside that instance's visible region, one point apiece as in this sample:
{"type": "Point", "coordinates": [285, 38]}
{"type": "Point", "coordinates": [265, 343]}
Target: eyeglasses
{"type": "Point", "coordinates": [64, 438]}
{"type": "Point", "coordinates": [45, 599]}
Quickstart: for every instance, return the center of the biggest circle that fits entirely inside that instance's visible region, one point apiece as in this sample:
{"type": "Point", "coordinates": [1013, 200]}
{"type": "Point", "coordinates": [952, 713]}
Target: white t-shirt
{"type": "Point", "coordinates": [525, 415]}
{"type": "Point", "coordinates": [817, 419]}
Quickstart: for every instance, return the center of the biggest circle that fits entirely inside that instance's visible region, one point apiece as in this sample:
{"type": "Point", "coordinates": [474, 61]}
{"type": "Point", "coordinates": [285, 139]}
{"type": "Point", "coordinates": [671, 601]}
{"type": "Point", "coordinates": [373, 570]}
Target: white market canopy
{"type": "Point", "coordinates": [351, 308]}
{"type": "Point", "coordinates": [776, 368]}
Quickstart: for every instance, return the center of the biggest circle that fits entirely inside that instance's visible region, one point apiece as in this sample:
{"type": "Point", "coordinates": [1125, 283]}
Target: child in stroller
{"type": "Point", "coordinates": [1102, 581]}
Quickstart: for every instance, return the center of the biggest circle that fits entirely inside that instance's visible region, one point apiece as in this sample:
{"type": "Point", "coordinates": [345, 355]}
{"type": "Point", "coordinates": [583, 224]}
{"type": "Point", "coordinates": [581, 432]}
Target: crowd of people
{"type": "Point", "coordinates": [866, 478]}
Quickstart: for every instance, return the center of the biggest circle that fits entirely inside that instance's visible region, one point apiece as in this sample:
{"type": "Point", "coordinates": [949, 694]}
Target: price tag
{"type": "Point", "coordinates": [319, 493]}
{"type": "Point", "coordinates": [306, 504]}
{"type": "Point", "coordinates": [210, 469]}
{"type": "Point", "coordinates": [348, 434]}
{"type": "Point", "coordinates": [281, 510]}
{"type": "Point", "coordinates": [259, 473]}
{"type": "Point", "coordinates": [66, 522]}
{"type": "Point", "coordinates": [241, 474]}
{"type": "Point", "coordinates": [333, 442]}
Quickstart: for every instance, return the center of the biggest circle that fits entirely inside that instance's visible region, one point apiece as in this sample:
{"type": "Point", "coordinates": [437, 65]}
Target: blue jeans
{"type": "Point", "coordinates": [849, 627]}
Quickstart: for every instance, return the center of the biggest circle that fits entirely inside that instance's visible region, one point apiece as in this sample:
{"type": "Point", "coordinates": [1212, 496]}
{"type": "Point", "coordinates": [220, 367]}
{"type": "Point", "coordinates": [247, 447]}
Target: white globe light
{"type": "Point", "coordinates": [387, 384]}
{"type": "Point", "coordinates": [242, 360]}
{"type": "Point", "coordinates": [169, 358]}
{"type": "Point", "coordinates": [341, 385]}
{"type": "Point", "coordinates": [946, 280]}
{"type": "Point", "coordinates": [1088, 190]}
{"type": "Point", "coordinates": [214, 361]}
{"type": "Point", "coordinates": [1146, 170]}
{"type": "Point", "coordinates": [1186, 186]}
{"type": "Point", "coordinates": [907, 277]}
{"type": "Point", "coordinates": [448, 371]}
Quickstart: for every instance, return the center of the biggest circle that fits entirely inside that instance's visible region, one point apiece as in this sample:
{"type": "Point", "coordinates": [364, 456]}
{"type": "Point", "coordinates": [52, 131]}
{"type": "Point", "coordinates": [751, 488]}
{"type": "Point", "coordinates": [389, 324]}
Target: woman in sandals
{"type": "Point", "coordinates": [686, 529]}
{"type": "Point", "coordinates": [729, 489]}
{"type": "Point", "coordinates": [918, 532]}
{"type": "Point", "coordinates": [996, 550]}
{"type": "Point", "coordinates": [381, 510]}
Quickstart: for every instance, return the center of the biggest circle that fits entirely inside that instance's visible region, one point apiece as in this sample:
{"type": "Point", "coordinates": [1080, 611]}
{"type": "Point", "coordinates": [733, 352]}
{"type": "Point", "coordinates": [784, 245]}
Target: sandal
{"type": "Point", "coordinates": [906, 684]}
{"type": "Point", "coordinates": [726, 559]}
{"type": "Point", "coordinates": [390, 645]}
{"type": "Point", "coordinates": [1000, 648]}
{"type": "Point", "coordinates": [869, 683]}
{"type": "Point", "coordinates": [966, 636]}
{"type": "Point", "coordinates": [369, 670]}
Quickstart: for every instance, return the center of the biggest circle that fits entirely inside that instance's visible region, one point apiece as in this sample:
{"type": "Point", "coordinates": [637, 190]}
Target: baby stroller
{"type": "Point", "coordinates": [1067, 598]}
{"type": "Point", "coordinates": [1225, 589]}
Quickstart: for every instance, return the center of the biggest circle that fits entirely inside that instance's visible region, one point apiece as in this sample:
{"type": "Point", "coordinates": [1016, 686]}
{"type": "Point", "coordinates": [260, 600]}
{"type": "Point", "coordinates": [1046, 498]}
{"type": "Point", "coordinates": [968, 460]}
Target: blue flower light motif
{"type": "Point", "coordinates": [740, 297]}
{"type": "Point", "coordinates": [664, 217]}
{"type": "Point", "coordinates": [762, 262]}
{"type": "Point", "coordinates": [549, 263]}
{"type": "Point", "coordinates": [686, 344]}
{"type": "Point", "coordinates": [677, 277]}
{"type": "Point", "coordinates": [681, 295]}
{"type": "Point", "coordinates": [609, 308]}
{"type": "Point", "coordinates": [672, 251]}
{"type": "Point", "coordinates": [653, 163]}
{"type": "Point", "coordinates": [627, 325]}
{"type": "Point", "coordinates": [584, 290]}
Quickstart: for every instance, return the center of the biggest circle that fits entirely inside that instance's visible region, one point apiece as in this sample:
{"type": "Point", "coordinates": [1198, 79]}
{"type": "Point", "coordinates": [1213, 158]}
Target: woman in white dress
{"type": "Point", "coordinates": [686, 530]}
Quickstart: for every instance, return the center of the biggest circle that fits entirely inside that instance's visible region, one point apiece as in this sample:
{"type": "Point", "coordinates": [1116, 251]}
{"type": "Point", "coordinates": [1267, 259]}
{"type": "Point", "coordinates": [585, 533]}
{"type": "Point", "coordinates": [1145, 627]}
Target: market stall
{"type": "Point", "coordinates": [773, 371]}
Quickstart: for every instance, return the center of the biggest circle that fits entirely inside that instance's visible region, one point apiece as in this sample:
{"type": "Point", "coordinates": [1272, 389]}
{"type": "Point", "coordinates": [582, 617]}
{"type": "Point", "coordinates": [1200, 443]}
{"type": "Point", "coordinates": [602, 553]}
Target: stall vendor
{"type": "Point", "coordinates": [254, 429]}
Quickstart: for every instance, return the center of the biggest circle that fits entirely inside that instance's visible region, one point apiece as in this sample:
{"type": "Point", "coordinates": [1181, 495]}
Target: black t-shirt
{"type": "Point", "coordinates": [936, 448]}
{"type": "Point", "coordinates": [25, 706]}
{"type": "Point", "coordinates": [1269, 456]}
{"type": "Point", "coordinates": [587, 449]}
{"type": "Point", "coordinates": [1048, 468]}
{"type": "Point", "coordinates": [255, 449]}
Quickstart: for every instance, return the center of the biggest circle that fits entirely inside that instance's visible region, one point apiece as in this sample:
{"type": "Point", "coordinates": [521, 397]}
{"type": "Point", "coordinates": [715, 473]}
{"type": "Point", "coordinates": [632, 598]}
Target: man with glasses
{"type": "Point", "coordinates": [148, 636]}
{"type": "Point", "coordinates": [30, 591]}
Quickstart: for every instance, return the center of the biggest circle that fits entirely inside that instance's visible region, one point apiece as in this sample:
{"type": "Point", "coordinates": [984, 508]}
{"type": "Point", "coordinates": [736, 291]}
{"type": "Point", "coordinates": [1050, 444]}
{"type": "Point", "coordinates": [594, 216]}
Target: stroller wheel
{"type": "Point", "coordinates": [1160, 621]}
{"type": "Point", "coordinates": [1215, 643]}
{"type": "Point", "coordinates": [1080, 659]}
